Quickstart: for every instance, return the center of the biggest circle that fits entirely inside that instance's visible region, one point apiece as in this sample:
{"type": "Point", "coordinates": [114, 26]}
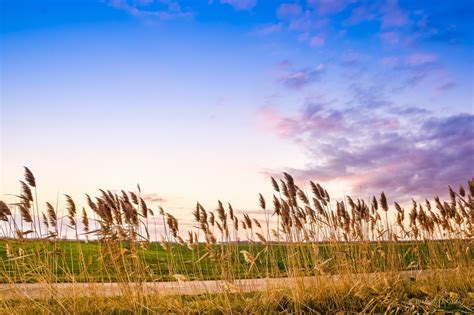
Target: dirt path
{"type": "Point", "coordinates": [45, 290]}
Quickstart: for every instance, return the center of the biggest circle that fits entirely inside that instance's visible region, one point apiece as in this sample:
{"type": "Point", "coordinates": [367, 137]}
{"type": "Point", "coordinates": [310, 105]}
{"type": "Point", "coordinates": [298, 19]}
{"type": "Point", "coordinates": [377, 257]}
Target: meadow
{"type": "Point", "coordinates": [72, 261]}
{"type": "Point", "coordinates": [366, 244]}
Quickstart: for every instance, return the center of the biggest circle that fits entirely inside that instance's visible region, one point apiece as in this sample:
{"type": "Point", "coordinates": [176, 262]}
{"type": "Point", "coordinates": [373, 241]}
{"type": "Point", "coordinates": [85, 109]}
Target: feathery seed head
{"type": "Point", "coordinates": [29, 177]}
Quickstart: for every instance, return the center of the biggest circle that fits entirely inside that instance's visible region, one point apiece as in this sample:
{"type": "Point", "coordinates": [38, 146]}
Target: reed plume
{"type": "Point", "coordinates": [4, 211]}
{"type": "Point", "coordinates": [71, 209]}
{"type": "Point", "coordinates": [30, 179]}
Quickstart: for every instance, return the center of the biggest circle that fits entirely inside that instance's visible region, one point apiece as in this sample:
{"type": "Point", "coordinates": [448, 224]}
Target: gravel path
{"type": "Point", "coordinates": [45, 290]}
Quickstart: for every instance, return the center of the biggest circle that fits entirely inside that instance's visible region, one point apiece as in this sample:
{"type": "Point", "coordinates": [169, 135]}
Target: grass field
{"type": "Point", "coordinates": [309, 235]}
{"type": "Point", "coordinates": [72, 261]}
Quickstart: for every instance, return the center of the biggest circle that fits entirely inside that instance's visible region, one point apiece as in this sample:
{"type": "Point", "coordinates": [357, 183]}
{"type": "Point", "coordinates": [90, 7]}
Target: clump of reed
{"type": "Point", "coordinates": [303, 232]}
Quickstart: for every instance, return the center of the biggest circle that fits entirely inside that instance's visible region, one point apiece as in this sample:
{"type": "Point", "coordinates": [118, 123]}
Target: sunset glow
{"type": "Point", "coordinates": [204, 100]}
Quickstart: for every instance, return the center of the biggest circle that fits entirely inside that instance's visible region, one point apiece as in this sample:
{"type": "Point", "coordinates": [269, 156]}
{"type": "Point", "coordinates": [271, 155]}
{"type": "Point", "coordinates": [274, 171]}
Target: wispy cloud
{"type": "Point", "coordinates": [317, 41]}
{"type": "Point", "coordinates": [421, 59]}
{"type": "Point", "coordinates": [315, 118]}
{"type": "Point", "coordinates": [288, 10]}
{"type": "Point", "coordinates": [452, 24]}
{"type": "Point", "coordinates": [240, 5]}
{"type": "Point", "coordinates": [420, 66]}
{"type": "Point", "coordinates": [363, 13]}
{"type": "Point", "coordinates": [448, 85]}
{"type": "Point", "coordinates": [158, 9]}
{"type": "Point", "coordinates": [352, 59]}
{"type": "Point", "coordinates": [324, 7]}
{"type": "Point", "coordinates": [411, 69]}
{"type": "Point", "coordinates": [264, 30]}
{"type": "Point", "coordinates": [391, 38]}
{"type": "Point", "coordinates": [298, 78]}
{"type": "Point", "coordinates": [369, 97]}
{"type": "Point", "coordinates": [153, 197]}
{"type": "Point", "coordinates": [394, 16]}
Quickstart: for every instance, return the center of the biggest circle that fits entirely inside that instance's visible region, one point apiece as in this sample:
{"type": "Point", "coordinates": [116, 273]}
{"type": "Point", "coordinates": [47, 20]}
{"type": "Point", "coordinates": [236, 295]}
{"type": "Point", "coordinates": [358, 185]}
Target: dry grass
{"type": "Point", "coordinates": [303, 234]}
{"type": "Point", "coordinates": [391, 294]}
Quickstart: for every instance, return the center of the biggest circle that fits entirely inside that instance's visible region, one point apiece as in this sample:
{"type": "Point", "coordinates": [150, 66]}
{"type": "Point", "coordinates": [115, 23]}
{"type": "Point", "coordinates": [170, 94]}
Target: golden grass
{"type": "Point", "coordinates": [443, 292]}
{"type": "Point", "coordinates": [305, 234]}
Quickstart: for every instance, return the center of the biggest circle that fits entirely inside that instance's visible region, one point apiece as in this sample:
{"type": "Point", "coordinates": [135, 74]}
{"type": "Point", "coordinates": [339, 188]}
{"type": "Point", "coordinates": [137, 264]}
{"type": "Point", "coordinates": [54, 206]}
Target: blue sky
{"type": "Point", "coordinates": [206, 99]}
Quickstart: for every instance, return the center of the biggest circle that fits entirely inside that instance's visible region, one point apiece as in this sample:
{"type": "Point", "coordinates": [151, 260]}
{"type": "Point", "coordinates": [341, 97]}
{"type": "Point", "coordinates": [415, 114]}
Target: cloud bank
{"type": "Point", "coordinates": [374, 150]}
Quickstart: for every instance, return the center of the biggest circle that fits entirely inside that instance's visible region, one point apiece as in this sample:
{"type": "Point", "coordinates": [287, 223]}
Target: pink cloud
{"type": "Point", "coordinates": [153, 198]}
{"type": "Point", "coordinates": [308, 22]}
{"type": "Point", "coordinates": [416, 67]}
{"type": "Point", "coordinates": [391, 38]}
{"type": "Point", "coordinates": [418, 59]}
{"type": "Point", "coordinates": [352, 59]}
{"type": "Point", "coordinates": [394, 16]}
{"type": "Point", "coordinates": [392, 61]}
{"type": "Point", "coordinates": [448, 85]}
{"type": "Point", "coordinates": [145, 2]}
{"type": "Point", "coordinates": [171, 9]}
{"type": "Point", "coordinates": [324, 7]}
{"type": "Point", "coordinates": [314, 119]}
{"type": "Point", "coordinates": [304, 37]}
{"type": "Point", "coordinates": [269, 115]}
{"type": "Point", "coordinates": [360, 14]}
{"type": "Point", "coordinates": [317, 41]}
{"type": "Point", "coordinates": [267, 29]}
{"type": "Point", "coordinates": [275, 122]}
{"type": "Point", "coordinates": [240, 5]}
{"type": "Point", "coordinates": [299, 78]}
{"type": "Point", "coordinates": [376, 152]}
{"type": "Point", "coordinates": [288, 10]}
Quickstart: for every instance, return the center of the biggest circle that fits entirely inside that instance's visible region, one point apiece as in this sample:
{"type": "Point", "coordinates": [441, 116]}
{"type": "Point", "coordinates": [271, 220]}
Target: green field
{"type": "Point", "coordinates": [68, 261]}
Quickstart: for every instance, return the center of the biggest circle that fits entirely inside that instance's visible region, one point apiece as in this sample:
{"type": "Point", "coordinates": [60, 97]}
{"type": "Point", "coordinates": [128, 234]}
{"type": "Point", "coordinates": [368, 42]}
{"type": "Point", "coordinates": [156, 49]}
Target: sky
{"type": "Point", "coordinates": [205, 100]}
